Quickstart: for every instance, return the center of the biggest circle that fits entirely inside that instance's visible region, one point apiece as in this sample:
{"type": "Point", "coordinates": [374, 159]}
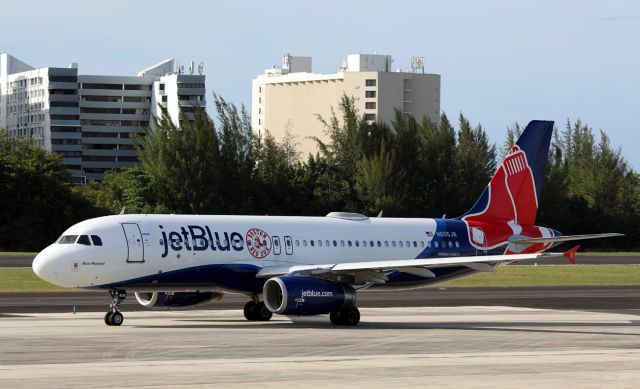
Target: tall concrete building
{"type": "Point", "coordinates": [92, 120]}
{"type": "Point", "coordinates": [289, 99]}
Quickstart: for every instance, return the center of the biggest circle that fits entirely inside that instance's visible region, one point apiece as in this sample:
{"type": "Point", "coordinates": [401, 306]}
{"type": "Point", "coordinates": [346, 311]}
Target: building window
{"type": "Point", "coordinates": [369, 116]}
{"type": "Point", "coordinates": [371, 82]}
{"type": "Point", "coordinates": [161, 86]}
{"type": "Point", "coordinates": [370, 94]}
{"type": "Point", "coordinates": [164, 99]}
{"type": "Point", "coordinates": [370, 105]}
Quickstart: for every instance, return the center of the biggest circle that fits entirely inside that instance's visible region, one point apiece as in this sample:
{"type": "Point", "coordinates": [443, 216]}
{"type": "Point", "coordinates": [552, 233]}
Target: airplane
{"type": "Point", "coordinates": [307, 265]}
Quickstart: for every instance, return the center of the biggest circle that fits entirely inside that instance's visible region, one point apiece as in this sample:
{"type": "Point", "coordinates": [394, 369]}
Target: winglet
{"type": "Point", "coordinates": [571, 254]}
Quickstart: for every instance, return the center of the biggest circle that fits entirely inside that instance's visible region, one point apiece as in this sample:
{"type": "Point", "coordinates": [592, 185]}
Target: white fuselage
{"type": "Point", "coordinates": [139, 246]}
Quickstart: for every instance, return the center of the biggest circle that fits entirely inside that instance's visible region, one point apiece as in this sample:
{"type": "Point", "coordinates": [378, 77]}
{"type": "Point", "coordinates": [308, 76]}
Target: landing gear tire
{"type": "Point", "coordinates": [257, 311]}
{"type": "Point", "coordinates": [107, 318]}
{"type": "Point", "coordinates": [336, 318]}
{"type": "Point", "coordinates": [116, 319]}
{"type": "Point", "coordinates": [345, 317]}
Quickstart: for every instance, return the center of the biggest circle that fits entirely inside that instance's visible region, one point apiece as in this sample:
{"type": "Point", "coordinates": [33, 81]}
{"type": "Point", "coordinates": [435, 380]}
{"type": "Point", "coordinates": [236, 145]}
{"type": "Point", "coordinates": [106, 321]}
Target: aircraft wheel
{"type": "Point", "coordinates": [336, 318]}
{"type": "Point", "coordinates": [250, 311]}
{"type": "Point", "coordinates": [107, 318]}
{"type": "Point", "coordinates": [263, 313]}
{"type": "Point", "coordinates": [116, 318]}
{"type": "Point", "coordinates": [351, 316]}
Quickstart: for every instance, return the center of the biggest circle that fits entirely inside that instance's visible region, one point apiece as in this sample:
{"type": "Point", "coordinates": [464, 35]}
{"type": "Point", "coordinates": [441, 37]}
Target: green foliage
{"type": "Point", "coordinates": [182, 163]}
{"type": "Point", "coordinates": [408, 168]}
{"type": "Point", "coordinates": [37, 202]}
{"type": "Point", "coordinates": [129, 189]}
{"type": "Point", "coordinates": [589, 187]}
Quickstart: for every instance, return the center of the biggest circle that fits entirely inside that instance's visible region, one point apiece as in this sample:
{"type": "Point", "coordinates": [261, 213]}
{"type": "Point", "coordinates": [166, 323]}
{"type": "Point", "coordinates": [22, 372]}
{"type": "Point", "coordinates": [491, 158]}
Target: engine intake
{"type": "Point", "coordinates": [295, 295]}
{"type": "Point", "coordinates": [178, 300]}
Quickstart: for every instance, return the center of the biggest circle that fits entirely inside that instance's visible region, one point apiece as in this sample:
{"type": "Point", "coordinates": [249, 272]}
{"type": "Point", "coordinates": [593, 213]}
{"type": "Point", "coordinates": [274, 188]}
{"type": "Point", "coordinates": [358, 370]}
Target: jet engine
{"type": "Point", "coordinates": [178, 300]}
{"type": "Point", "coordinates": [295, 295]}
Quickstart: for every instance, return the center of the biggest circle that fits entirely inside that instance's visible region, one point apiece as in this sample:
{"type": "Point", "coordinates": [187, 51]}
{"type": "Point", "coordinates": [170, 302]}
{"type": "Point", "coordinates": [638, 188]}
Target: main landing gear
{"type": "Point", "coordinates": [114, 317]}
{"type": "Point", "coordinates": [345, 317]}
{"type": "Point", "coordinates": [257, 311]}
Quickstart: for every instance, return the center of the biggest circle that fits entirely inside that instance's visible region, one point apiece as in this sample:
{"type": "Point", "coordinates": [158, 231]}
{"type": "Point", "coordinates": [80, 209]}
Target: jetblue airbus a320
{"type": "Point", "coordinates": [306, 265]}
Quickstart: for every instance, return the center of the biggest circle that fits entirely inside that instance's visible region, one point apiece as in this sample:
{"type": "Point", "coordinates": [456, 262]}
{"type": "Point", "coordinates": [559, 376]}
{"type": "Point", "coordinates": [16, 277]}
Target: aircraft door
{"type": "Point", "coordinates": [276, 245]}
{"type": "Point", "coordinates": [133, 237]}
{"type": "Point", "coordinates": [288, 245]}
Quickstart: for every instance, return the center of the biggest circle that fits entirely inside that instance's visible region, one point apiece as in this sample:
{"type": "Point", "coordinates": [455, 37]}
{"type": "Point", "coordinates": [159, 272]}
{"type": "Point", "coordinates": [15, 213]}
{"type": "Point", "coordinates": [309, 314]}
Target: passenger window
{"type": "Point", "coordinates": [304, 243]}
{"type": "Point", "coordinates": [400, 243]}
{"type": "Point", "coordinates": [457, 244]}
{"type": "Point", "coordinates": [450, 244]}
{"type": "Point", "coordinates": [371, 243]}
{"type": "Point", "coordinates": [96, 240]}
{"type": "Point", "coordinates": [297, 243]}
{"type": "Point", "coordinates": [379, 244]}
{"type": "Point", "coordinates": [68, 239]}
{"type": "Point", "coordinates": [422, 243]}
{"type": "Point", "coordinates": [386, 243]}
{"type": "Point", "coordinates": [319, 243]}
{"type": "Point", "coordinates": [335, 244]}
{"type": "Point", "coordinates": [429, 244]}
{"type": "Point", "coordinates": [357, 243]}
{"type": "Point", "coordinates": [342, 243]}
{"type": "Point", "coordinates": [84, 239]}
{"type": "Point", "coordinates": [326, 242]}
{"type": "Point", "coordinates": [312, 243]}
{"type": "Point", "coordinates": [349, 243]}
{"type": "Point", "coordinates": [415, 244]}
{"type": "Point", "coordinates": [436, 244]}
{"type": "Point", "coordinates": [393, 243]}
{"type": "Point", "coordinates": [408, 243]}
{"type": "Point", "coordinates": [364, 243]}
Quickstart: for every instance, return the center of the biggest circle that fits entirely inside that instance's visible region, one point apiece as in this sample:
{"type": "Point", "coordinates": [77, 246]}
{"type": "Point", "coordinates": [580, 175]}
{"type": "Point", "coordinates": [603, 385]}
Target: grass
{"type": "Point", "coordinates": [16, 254]}
{"type": "Point", "coordinates": [24, 280]}
{"type": "Point", "coordinates": [509, 276]}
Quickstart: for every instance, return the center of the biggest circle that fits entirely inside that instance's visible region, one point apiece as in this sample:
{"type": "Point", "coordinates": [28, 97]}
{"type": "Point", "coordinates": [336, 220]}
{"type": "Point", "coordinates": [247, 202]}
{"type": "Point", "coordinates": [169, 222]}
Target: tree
{"type": "Point", "coordinates": [37, 202]}
{"type": "Point", "coordinates": [475, 162]}
{"type": "Point", "coordinates": [182, 163]}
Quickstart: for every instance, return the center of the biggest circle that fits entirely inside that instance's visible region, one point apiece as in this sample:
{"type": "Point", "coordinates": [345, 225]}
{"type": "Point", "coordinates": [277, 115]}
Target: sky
{"type": "Point", "coordinates": [501, 61]}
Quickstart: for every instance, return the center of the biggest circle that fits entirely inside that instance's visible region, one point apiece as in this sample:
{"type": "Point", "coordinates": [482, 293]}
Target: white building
{"type": "Point", "coordinates": [290, 99]}
{"type": "Point", "coordinates": [92, 120]}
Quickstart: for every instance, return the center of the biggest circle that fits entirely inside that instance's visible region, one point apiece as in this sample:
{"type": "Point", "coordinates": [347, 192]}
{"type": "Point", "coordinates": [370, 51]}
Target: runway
{"type": "Point", "coordinates": [392, 347]}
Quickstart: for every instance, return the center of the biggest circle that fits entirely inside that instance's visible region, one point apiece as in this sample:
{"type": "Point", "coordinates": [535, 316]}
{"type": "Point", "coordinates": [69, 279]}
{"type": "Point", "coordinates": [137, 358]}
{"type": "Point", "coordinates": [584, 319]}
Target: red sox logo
{"type": "Point", "coordinates": [258, 243]}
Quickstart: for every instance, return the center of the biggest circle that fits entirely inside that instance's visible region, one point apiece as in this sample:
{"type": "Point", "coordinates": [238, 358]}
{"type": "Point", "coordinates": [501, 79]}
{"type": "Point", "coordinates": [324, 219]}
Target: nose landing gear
{"type": "Point", "coordinates": [114, 317]}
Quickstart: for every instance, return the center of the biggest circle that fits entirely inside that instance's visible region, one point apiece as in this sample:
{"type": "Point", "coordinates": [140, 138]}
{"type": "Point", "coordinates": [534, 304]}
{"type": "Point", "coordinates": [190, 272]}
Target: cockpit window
{"type": "Point", "coordinates": [68, 239]}
{"type": "Point", "coordinates": [96, 240]}
{"type": "Point", "coordinates": [84, 239]}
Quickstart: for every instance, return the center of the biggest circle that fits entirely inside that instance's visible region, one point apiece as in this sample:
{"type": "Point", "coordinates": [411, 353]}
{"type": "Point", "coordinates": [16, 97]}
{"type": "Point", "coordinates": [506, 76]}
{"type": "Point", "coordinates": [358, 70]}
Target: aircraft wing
{"type": "Point", "coordinates": [414, 266]}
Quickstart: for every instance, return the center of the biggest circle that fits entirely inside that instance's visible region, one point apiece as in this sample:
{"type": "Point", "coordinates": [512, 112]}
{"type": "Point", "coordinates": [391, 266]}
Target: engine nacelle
{"type": "Point", "coordinates": [294, 295]}
{"type": "Point", "coordinates": [178, 300]}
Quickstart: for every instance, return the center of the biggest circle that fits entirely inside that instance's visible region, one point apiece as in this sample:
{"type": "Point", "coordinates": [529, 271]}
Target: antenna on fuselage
{"type": "Point", "coordinates": [122, 211]}
{"type": "Point", "coordinates": [380, 214]}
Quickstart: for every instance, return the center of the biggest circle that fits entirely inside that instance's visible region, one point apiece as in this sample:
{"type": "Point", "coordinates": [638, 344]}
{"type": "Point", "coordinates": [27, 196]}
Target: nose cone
{"type": "Point", "coordinates": [43, 265]}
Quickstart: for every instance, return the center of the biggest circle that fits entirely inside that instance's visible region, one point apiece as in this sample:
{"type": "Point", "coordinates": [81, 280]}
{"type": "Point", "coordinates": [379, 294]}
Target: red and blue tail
{"type": "Point", "coordinates": [511, 198]}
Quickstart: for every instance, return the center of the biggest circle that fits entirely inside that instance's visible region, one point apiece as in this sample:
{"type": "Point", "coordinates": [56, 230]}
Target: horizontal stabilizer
{"type": "Point", "coordinates": [564, 238]}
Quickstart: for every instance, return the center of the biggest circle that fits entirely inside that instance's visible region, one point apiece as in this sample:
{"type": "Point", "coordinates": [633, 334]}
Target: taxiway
{"type": "Point", "coordinates": [412, 346]}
